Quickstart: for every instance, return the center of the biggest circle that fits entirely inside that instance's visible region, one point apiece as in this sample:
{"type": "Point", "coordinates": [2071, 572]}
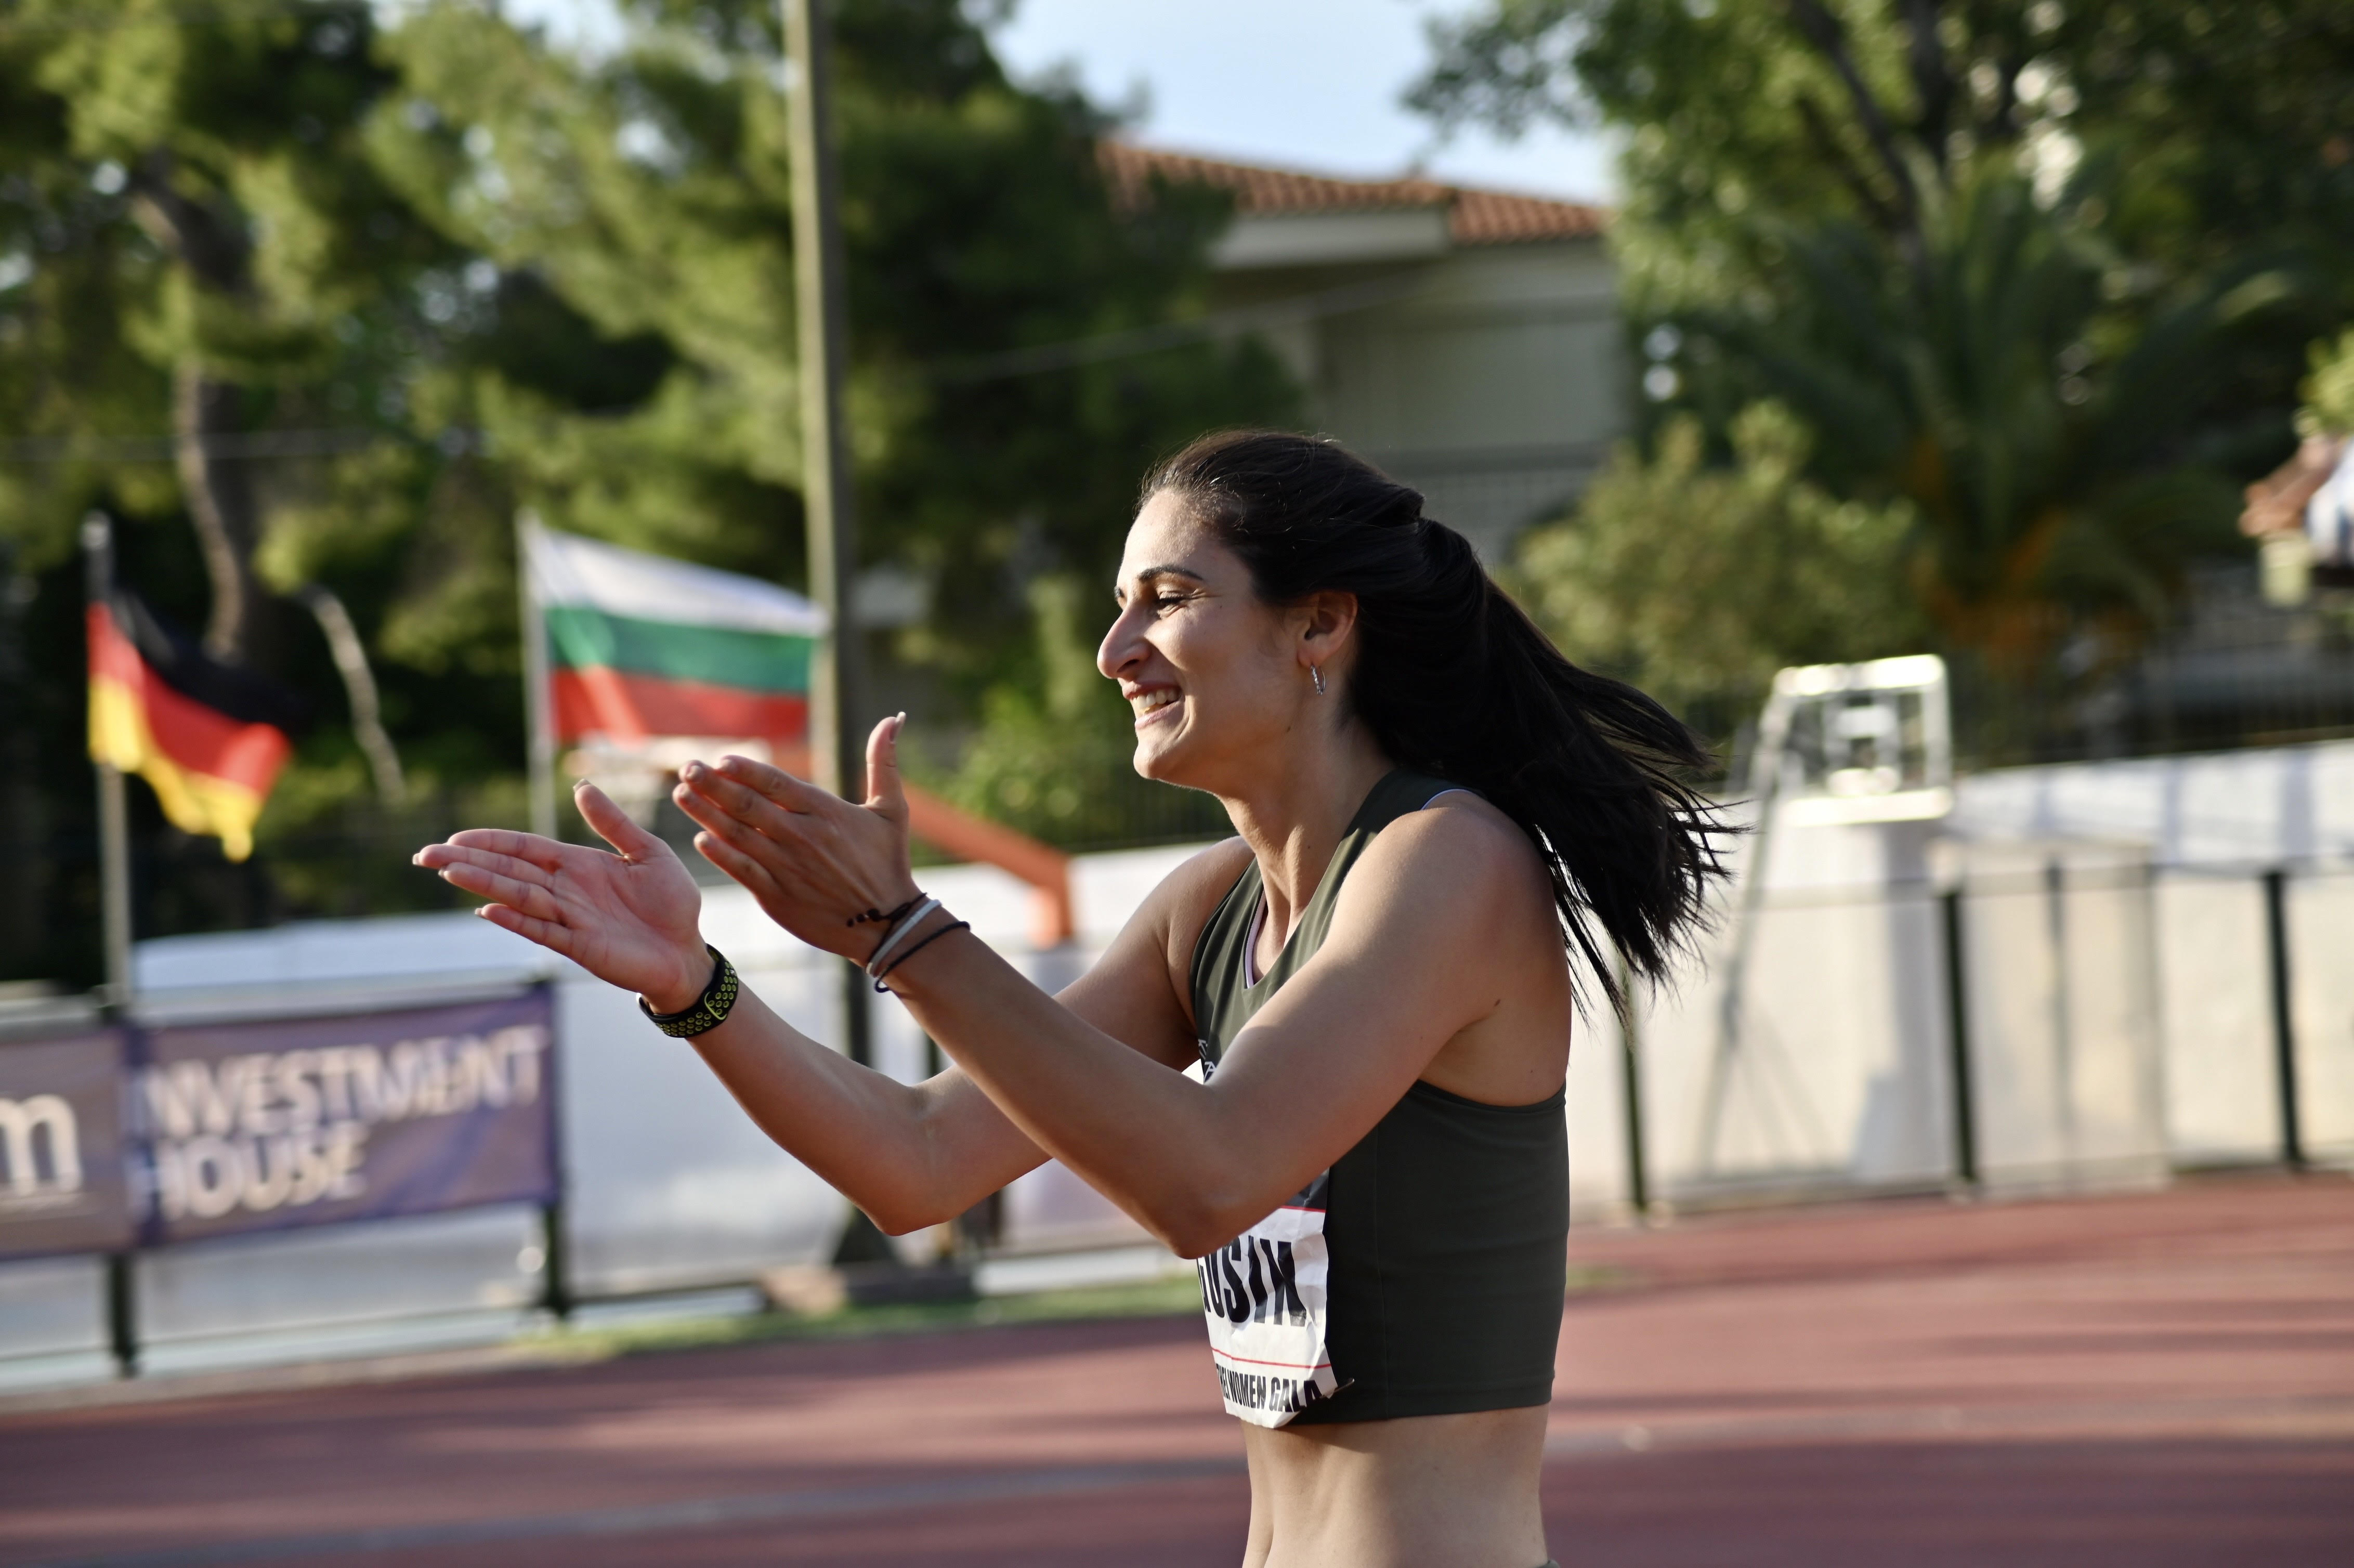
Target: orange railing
{"type": "Point", "coordinates": [1045, 868]}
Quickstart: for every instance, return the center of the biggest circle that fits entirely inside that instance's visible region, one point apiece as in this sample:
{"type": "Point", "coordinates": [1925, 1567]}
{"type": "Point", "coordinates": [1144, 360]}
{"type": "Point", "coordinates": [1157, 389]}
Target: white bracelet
{"type": "Point", "coordinates": [899, 933]}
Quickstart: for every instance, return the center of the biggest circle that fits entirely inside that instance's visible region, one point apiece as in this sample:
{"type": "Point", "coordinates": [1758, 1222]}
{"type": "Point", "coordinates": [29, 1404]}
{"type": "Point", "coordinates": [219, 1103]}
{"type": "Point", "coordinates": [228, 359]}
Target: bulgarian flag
{"type": "Point", "coordinates": [209, 737]}
{"type": "Point", "coordinates": [642, 647]}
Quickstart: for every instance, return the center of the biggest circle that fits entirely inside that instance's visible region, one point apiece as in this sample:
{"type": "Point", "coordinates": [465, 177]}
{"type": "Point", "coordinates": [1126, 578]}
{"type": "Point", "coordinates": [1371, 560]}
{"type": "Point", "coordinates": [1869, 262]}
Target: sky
{"type": "Point", "coordinates": [1306, 84]}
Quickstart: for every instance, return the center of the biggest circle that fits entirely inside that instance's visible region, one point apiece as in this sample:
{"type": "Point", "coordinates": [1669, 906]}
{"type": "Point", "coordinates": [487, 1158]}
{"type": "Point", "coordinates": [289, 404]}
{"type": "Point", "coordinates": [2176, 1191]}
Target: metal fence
{"type": "Point", "coordinates": [2042, 1017]}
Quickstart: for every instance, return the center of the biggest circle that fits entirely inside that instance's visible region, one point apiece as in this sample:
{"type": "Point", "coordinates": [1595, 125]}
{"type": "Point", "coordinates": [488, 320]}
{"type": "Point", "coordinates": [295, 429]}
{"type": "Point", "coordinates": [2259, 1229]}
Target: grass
{"type": "Point", "coordinates": [1177, 1296]}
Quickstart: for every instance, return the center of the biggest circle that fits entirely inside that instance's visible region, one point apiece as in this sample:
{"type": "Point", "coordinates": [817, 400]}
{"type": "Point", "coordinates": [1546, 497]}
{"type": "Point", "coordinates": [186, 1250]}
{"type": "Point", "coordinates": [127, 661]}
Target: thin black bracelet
{"type": "Point", "coordinates": [888, 916]}
{"type": "Point", "coordinates": [882, 990]}
{"type": "Point", "coordinates": [710, 1009]}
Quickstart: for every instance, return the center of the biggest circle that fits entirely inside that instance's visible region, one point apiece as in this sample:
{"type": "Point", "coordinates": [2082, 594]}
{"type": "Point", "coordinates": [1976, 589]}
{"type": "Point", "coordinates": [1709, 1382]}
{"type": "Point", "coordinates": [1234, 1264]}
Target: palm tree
{"type": "Point", "coordinates": [2048, 440]}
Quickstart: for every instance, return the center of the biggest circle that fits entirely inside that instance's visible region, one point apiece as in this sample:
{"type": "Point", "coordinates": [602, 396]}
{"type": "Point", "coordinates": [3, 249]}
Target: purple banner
{"type": "Point", "coordinates": [313, 1121]}
{"type": "Point", "coordinates": [62, 1172]}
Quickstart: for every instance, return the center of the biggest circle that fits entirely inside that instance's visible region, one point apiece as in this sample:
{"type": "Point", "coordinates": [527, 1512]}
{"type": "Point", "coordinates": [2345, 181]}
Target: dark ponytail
{"type": "Point", "coordinates": [1454, 680]}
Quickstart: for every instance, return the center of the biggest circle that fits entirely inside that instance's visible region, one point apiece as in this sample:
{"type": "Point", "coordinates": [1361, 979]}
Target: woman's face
{"type": "Point", "coordinates": [1213, 676]}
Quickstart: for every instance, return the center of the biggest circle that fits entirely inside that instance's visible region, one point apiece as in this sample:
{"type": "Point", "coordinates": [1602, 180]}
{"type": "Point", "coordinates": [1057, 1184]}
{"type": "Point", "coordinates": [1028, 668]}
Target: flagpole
{"type": "Point", "coordinates": [821, 308]}
{"type": "Point", "coordinates": [114, 816]}
{"type": "Point", "coordinates": [120, 1279]}
{"type": "Point", "coordinates": [541, 741]}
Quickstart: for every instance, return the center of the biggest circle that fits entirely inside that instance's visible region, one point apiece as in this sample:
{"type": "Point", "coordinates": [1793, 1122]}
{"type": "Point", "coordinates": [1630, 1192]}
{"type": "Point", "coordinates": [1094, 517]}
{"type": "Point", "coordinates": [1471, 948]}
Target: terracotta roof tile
{"type": "Point", "coordinates": [1473, 217]}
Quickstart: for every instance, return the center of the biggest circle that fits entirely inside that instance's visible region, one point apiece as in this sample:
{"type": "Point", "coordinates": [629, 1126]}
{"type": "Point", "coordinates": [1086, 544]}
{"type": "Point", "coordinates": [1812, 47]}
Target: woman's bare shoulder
{"type": "Point", "coordinates": [1462, 822]}
{"type": "Point", "coordinates": [1186, 899]}
{"type": "Point", "coordinates": [1459, 853]}
{"type": "Point", "coordinates": [1155, 949]}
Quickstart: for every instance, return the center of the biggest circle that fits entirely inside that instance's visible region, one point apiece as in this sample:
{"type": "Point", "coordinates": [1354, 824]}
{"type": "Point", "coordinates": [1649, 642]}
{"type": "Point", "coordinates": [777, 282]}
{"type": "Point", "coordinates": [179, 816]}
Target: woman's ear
{"type": "Point", "coordinates": [1327, 621]}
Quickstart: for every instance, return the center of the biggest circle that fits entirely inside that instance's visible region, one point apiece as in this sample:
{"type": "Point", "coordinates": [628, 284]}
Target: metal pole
{"type": "Point", "coordinates": [556, 1265]}
{"type": "Point", "coordinates": [123, 1311]}
{"type": "Point", "coordinates": [1958, 1042]}
{"type": "Point", "coordinates": [113, 819]}
{"type": "Point", "coordinates": [541, 741]}
{"type": "Point", "coordinates": [822, 303]}
{"type": "Point", "coordinates": [21, 828]}
{"type": "Point", "coordinates": [2063, 1035]}
{"type": "Point", "coordinates": [122, 1280]}
{"type": "Point", "coordinates": [1638, 1169]}
{"type": "Point", "coordinates": [2284, 1018]}
{"type": "Point", "coordinates": [1630, 1094]}
{"type": "Point", "coordinates": [556, 1296]}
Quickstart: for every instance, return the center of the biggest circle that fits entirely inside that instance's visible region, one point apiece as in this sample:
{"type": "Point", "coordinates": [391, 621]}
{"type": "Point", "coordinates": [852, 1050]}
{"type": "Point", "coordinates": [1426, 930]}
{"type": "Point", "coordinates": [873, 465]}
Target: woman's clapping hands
{"type": "Point", "coordinates": [629, 918]}
{"type": "Point", "coordinates": [814, 861]}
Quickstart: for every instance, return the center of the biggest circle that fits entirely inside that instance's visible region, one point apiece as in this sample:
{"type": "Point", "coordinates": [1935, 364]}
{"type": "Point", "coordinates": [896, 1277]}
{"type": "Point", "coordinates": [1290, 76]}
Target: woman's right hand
{"type": "Point", "coordinates": [630, 918]}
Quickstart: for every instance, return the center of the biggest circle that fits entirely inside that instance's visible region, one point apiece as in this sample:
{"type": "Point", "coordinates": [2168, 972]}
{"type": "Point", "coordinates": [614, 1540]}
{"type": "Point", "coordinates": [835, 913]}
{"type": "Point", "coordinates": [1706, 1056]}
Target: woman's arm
{"type": "Point", "coordinates": [916, 1155]}
{"type": "Point", "coordinates": [1411, 961]}
{"type": "Point", "coordinates": [910, 1155]}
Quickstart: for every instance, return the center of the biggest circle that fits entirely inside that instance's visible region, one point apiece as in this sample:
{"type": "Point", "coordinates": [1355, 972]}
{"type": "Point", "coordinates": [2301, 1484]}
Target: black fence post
{"type": "Point", "coordinates": [556, 1296]}
{"type": "Point", "coordinates": [1631, 1072]}
{"type": "Point", "coordinates": [123, 1311]}
{"type": "Point", "coordinates": [119, 1277]}
{"type": "Point", "coordinates": [555, 1270]}
{"type": "Point", "coordinates": [1958, 1041]}
{"type": "Point", "coordinates": [2284, 1018]}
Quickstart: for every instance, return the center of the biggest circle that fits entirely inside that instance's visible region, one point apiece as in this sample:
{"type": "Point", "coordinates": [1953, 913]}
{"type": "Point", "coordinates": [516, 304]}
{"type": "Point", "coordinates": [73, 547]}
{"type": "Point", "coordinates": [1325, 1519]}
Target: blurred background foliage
{"type": "Point", "coordinates": [2329, 392]}
{"type": "Point", "coordinates": [1766, 566]}
{"type": "Point", "coordinates": [301, 299]}
{"type": "Point", "coordinates": [2041, 273]}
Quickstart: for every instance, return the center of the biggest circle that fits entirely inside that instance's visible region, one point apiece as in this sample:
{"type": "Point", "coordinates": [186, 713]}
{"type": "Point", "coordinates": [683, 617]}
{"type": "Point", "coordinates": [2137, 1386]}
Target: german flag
{"type": "Point", "coordinates": [209, 737]}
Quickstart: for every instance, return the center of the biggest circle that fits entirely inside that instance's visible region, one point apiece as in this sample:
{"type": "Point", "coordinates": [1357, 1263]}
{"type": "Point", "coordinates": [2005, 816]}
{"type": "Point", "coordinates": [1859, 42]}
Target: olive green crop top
{"type": "Point", "coordinates": [1422, 1274]}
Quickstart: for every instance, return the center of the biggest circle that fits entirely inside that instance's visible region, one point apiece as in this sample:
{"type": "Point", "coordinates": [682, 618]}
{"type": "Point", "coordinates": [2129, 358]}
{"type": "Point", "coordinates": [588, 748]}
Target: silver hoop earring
{"type": "Point", "coordinates": [1315, 674]}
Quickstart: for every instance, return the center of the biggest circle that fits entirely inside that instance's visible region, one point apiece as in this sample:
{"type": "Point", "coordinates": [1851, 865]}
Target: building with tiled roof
{"type": "Point", "coordinates": [1470, 216]}
{"type": "Point", "coordinates": [1466, 340]}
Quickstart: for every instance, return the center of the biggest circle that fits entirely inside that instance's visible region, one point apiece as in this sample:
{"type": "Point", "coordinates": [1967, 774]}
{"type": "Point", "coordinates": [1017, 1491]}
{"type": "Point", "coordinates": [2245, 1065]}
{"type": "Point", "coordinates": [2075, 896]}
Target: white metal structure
{"type": "Point", "coordinates": [1858, 743]}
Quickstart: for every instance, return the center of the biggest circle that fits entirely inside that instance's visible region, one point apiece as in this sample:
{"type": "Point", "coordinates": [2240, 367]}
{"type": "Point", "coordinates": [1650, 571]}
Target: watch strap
{"type": "Point", "coordinates": [710, 1009]}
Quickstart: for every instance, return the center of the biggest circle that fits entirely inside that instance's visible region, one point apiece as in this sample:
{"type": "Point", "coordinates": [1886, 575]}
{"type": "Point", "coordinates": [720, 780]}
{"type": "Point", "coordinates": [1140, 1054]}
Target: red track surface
{"type": "Point", "coordinates": [2149, 1382]}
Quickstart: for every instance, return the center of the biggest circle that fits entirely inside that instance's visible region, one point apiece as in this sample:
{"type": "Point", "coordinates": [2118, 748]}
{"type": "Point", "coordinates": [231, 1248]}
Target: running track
{"type": "Point", "coordinates": [2155, 1382]}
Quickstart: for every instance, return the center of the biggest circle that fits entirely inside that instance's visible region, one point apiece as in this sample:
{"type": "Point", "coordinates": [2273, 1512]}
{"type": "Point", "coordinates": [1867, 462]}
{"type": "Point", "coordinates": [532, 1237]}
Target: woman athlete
{"type": "Point", "coordinates": [1325, 1057]}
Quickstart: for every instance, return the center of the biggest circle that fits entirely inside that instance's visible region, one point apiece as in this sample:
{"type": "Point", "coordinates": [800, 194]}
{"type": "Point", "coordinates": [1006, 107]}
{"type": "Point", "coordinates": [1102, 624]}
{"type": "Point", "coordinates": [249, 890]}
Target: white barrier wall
{"type": "Point", "coordinates": [2210, 825]}
{"type": "Point", "coordinates": [2064, 1045]}
{"type": "Point", "coordinates": [2214, 1002]}
{"type": "Point", "coordinates": [2120, 1017]}
{"type": "Point", "coordinates": [2321, 991]}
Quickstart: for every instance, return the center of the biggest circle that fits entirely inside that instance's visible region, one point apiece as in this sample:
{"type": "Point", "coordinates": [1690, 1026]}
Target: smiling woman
{"type": "Point", "coordinates": [1325, 1057]}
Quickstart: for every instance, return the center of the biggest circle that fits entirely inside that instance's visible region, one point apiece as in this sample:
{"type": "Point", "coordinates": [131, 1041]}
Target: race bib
{"type": "Point", "coordinates": [1265, 1298]}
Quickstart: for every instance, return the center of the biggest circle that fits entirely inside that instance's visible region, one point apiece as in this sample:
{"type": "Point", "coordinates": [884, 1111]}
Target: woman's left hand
{"type": "Point", "coordinates": [814, 861]}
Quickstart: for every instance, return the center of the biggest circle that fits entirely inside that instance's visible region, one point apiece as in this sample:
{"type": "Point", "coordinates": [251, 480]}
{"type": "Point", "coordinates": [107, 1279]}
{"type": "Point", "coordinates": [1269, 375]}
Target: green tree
{"type": "Point", "coordinates": [306, 300]}
{"type": "Point", "coordinates": [1985, 250]}
{"type": "Point", "coordinates": [214, 313]}
{"type": "Point", "coordinates": [2329, 406]}
{"type": "Point", "coordinates": [1698, 581]}
{"type": "Point", "coordinates": [2054, 453]}
{"type": "Point", "coordinates": [230, 225]}
{"type": "Point", "coordinates": [649, 191]}
{"type": "Point", "coordinates": [2228, 124]}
